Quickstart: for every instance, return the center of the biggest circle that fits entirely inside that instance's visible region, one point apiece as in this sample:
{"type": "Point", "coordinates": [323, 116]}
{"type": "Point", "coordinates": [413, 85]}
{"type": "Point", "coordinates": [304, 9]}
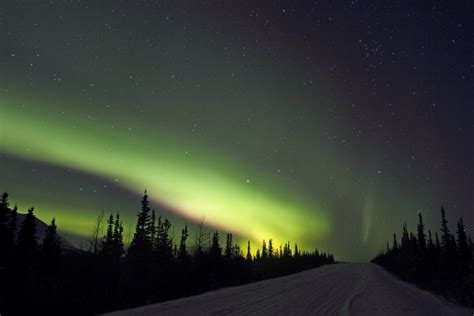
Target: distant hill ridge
{"type": "Point", "coordinates": [40, 230]}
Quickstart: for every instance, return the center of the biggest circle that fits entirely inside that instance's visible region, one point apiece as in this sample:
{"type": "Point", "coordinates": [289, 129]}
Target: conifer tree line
{"type": "Point", "coordinates": [154, 268]}
{"type": "Point", "coordinates": [442, 263]}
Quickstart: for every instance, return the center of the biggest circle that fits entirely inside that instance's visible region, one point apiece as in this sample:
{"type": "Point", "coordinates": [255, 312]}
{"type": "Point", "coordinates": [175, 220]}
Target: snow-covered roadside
{"type": "Point", "coordinates": [339, 289]}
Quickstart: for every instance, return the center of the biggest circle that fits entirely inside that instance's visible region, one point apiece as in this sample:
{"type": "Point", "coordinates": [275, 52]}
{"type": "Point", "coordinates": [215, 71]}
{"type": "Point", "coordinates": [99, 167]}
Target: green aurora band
{"type": "Point", "coordinates": [208, 186]}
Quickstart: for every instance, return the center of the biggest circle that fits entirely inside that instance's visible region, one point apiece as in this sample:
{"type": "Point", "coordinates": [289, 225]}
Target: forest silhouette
{"type": "Point", "coordinates": [445, 267]}
{"type": "Point", "coordinates": [106, 276]}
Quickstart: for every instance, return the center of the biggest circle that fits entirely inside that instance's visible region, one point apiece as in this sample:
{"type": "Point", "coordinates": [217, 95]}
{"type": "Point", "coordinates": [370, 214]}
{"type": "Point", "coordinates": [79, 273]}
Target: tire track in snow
{"type": "Point", "coordinates": [338, 289]}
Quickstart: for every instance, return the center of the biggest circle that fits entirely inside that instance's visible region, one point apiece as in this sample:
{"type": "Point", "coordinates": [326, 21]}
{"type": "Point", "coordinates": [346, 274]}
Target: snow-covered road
{"type": "Point", "coordinates": [339, 289]}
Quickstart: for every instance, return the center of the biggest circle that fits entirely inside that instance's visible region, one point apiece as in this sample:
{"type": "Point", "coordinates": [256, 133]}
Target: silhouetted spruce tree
{"type": "Point", "coordinates": [445, 237]}
{"type": "Point", "coordinates": [228, 247]}
{"type": "Point", "coordinates": [264, 250]}
{"type": "Point", "coordinates": [107, 248]}
{"type": "Point", "coordinates": [11, 235]}
{"type": "Point", "coordinates": [249, 254]}
{"type": "Point", "coordinates": [271, 251]}
{"type": "Point", "coordinates": [183, 256]}
{"type": "Point", "coordinates": [421, 233]}
{"type": "Point", "coordinates": [164, 244]}
{"type": "Point", "coordinates": [215, 252]}
{"type": "Point", "coordinates": [27, 243]}
{"type": "Point", "coordinates": [287, 250]}
{"type": "Point", "coordinates": [112, 243]}
{"type": "Point", "coordinates": [118, 238]}
{"type": "Point", "coordinates": [140, 258]}
{"type": "Point", "coordinates": [183, 260]}
{"type": "Point", "coordinates": [236, 252]}
{"type": "Point", "coordinates": [6, 247]}
{"type": "Point", "coordinates": [444, 267]}
{"type": "Point", "coordinates": [106, 272]}
{"type": "Point", "coordinates": [25, 254]}
{"type": "Point", "coordinates": [215, 261]}
{"type": "Point", "coordinates": [153, 229]}
{"type": "Point", "coordinates": [4, 215]}
{"type": "Point", "coordinates": [149, 270]}
{"type": "Point", "coordinates": [140, 247]}
{"type": "Point", "coordinates": [12, 226]}
{"type": "Point", "coordinates": [49, 265]}
{"type": "Point", "coordinates": [163, 260]}
{"type": "Point", "coordinates": [405, 237]}
{"type": "Point", "coordinates": [395, 242]}
{"type": "Point", "coordinates": [50, 251]}
{"type": "Point", "coordinates": [463, 246]}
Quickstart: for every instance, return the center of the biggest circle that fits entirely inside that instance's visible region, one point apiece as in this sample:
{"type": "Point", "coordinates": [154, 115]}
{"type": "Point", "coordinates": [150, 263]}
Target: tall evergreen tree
{"type": "Point", "coordinates": [271, 251]}
{"type": "Point", "coordinates": [140, 258]}
{"type": "Point", "coordinates": [112, 243]}
{"type": "Point", "coordinates": [13, 225]}
{"type": "Point", "coordinates": [249, 254]}
{"type": "Point", "coordinates": [445, 237]}
{"type": "Point", "coordinates": [118, 237]}
{"type": "Point", "coordinates": [141, 243]}
{"type": "Point", "coordinates": [405, 237]}
{"type": "Point", "coordinates": [108, 243]}
{"type": "Point", "coordinates": [297, 253]}
{"type": "Point", "coordinates": [164, 244]}
{"type": "Point", "coordinates": [264, 250]}
{"type": "Point", "coordinates": [421, 233]}
{"type": "Point", "coordinates": [50, 250]}
{"type": "Point", "coordinates": [27, 243]}
{"type": "Point", "coordinates": [25, 255]}
{"type": "Point", "coordinates": [395, 242]}
{"type": "Point", "coordinates": [229, 251]}
{"type": "Point", "coordinates": [11, 232]}
{"type": "Point", "coordinates": [445, 267]}
{"type": "Point", "coordinates": [153, 229]}
{"type": "Point", "coordinates": [236, 252]}
{"type": "Point", "coordinates": [4, 214]}
{"type": "Point", "coordinates": [182, 251]}
{"type": "Point", "coordinates": [463, 245]}
{"type": "Point", "coordinates": [215, 252]}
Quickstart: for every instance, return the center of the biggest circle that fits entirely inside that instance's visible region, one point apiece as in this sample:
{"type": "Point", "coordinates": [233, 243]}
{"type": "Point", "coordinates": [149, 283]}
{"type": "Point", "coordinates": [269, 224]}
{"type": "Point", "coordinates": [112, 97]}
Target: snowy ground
{"type": "Point", "coordinates": [339, 289]}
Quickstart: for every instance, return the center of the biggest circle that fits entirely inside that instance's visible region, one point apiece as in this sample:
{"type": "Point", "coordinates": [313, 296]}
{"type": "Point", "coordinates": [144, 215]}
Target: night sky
{"type": "Point", "coordinates": [328, 123]}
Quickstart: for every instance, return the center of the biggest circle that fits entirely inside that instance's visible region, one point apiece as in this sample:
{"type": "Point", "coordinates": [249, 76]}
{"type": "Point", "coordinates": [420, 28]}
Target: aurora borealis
{"type": "Point", "coordinates": [320, 123]}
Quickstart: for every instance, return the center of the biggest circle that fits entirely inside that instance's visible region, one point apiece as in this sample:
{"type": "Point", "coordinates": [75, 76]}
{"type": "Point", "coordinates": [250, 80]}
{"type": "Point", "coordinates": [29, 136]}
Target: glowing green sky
{"type": "Point", "coordinates": [201, 185]}
{"type": "Point", "coordinates": [269, 122]}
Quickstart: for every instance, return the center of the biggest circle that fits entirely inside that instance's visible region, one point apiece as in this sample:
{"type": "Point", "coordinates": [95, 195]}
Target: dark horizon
{"type": "Point", "coordinates": [41, 271]}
